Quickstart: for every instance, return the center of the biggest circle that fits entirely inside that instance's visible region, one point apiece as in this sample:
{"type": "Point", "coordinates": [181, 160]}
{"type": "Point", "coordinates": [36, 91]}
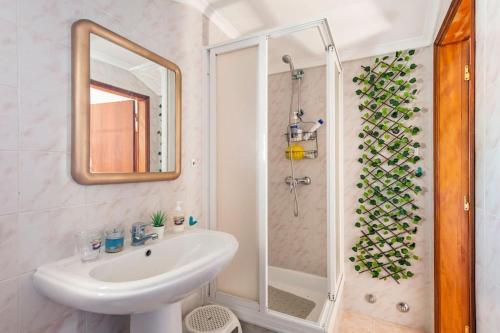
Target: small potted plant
{"type": "Point", "coordinates": [158, 220]}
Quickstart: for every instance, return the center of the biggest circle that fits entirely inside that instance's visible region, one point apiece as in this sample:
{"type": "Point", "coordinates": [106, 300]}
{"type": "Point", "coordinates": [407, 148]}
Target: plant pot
{"type": "Point", "coordinates": [160, 231]}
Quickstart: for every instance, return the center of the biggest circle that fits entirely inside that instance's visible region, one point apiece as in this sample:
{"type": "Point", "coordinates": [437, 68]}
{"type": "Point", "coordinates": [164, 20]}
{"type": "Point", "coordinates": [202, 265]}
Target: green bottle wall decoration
{"type": "Point", "coordinates": [387, 215]}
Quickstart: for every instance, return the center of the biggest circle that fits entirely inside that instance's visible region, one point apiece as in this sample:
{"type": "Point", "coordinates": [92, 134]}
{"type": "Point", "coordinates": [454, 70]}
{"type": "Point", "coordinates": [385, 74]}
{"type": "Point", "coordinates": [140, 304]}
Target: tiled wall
{"type": "Point", "coordinates": [487, 166]}
{"type": "Point", "coordinates": [40, 205]}
{"type": "Point", "coordinates": [297, 243]}
{"type": "Point", "coordinates": [417, 291]}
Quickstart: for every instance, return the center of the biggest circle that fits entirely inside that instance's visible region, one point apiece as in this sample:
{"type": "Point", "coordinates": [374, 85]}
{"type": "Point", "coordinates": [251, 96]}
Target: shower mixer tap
{"type": "Point", "coordinates": [292, 183]}
{"type": "Point", "coordinates": [295, 181]}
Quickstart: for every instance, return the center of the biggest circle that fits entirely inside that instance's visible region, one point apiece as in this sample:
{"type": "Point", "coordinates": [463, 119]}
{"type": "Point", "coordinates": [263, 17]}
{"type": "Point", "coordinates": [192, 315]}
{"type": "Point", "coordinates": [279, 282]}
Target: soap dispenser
{"type": "Point", "coordinates": [178, 218]}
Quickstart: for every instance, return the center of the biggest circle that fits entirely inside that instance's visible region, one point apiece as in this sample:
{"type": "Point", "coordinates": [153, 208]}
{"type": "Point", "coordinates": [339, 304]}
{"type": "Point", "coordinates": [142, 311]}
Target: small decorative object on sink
{"type": "Point", "coordinates": [114, 240]}
{"type": "Point", "coordinates": [178, 217]}
{"type": "Point", "coordinates": [158, 220]}
{"type": "Point", "coordinates": [89, 244]}
{"type": "Point", "coordinates": [192, 221]}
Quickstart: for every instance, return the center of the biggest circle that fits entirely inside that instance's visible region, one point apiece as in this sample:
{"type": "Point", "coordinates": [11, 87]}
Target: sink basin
{"type": "Point", "coordinates": [148, 281]}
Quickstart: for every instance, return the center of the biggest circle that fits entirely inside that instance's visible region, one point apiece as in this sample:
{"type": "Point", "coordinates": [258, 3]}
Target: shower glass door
{"type": "Point", "coordinates": [237, 168]}
{"type": "Point", "coordinates": [303, 260]}
{"type": "Point", "coordinates": [273, 150]}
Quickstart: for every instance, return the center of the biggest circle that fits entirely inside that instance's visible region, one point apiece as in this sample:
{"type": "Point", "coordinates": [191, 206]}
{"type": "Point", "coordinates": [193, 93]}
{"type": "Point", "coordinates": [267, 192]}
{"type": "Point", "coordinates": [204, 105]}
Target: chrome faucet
{"type": "Point", "coordinates": [139, 236]}
{"type": "Point", "coordinates": [293, 182]}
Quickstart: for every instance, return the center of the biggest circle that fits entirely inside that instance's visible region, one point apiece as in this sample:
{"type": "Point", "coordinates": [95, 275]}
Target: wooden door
{"type": "Point", "coordinates": [454, 171]}
{"type": "Point", "coordinates": [112, 137]}
{"type": "Point", "coordinates": [452, 246]}
{"type": "Point", "coordinates": [142, 136]}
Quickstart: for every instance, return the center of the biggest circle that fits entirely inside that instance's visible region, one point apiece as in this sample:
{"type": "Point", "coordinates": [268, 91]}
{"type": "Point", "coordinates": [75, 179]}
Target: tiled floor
{"type": "Point", "coordinates": [350, 322]}
{"type": "Point", "coordinates": [249, 328]}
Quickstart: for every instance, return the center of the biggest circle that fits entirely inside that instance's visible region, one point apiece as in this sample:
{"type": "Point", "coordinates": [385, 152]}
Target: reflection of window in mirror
{"type": "Point", "coordinates": [119, 130]}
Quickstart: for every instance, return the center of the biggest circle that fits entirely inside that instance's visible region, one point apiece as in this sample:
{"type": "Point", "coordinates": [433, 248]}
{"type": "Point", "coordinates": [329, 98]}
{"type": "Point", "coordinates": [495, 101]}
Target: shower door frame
{"type": "Point", "coordinates": [257, 312]}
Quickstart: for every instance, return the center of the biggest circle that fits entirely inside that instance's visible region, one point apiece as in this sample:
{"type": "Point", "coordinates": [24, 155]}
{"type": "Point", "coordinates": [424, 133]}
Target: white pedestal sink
{"type": "Point", "coordinates": [147, 282]}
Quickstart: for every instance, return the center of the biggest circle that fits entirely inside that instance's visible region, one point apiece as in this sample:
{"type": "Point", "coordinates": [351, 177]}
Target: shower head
{"type": "Point", "coordinates": [287, 59]}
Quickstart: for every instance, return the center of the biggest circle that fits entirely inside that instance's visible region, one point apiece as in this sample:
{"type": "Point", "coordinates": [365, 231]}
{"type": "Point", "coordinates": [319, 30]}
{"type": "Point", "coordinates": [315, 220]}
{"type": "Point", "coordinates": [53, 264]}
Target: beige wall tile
{"type": "Point", "coordinates": [297, 243]}
{"type": "Point", "coordinates": [45, 181]}
{"type": "Point", "coordinates": [8, 306]}
{"type": "Point", "coordinates": [35, 144]}
{"type": "Point", "coordinates": [8, 52]}
{"type": "Point", "coordinates": [8, 182]}
{"type": "Point", "coordinates": [9, 116]}
{"type": "Point", "coordinates": [487, 165]}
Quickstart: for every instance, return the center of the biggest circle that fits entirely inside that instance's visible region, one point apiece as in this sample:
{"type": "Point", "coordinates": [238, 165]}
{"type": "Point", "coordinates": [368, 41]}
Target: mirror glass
{"type": "Point", "coordinates": [132, 111]}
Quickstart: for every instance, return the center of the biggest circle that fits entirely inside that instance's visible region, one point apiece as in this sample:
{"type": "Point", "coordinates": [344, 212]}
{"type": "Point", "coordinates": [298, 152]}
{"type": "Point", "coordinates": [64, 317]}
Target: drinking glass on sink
{"type": "Point", "coordinates": [89, 244]}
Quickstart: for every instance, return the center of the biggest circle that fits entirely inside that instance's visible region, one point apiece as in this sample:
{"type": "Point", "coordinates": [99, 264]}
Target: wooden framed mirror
{"type": "Point", "coordinates": [126, 117]}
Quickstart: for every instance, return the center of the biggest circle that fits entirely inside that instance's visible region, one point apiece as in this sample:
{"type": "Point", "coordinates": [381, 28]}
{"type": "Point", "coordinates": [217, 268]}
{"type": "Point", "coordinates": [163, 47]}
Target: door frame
{"type": "Point", "coordinates": [138, 98]}
{"type": "Point", "coordinates": [443, 38]}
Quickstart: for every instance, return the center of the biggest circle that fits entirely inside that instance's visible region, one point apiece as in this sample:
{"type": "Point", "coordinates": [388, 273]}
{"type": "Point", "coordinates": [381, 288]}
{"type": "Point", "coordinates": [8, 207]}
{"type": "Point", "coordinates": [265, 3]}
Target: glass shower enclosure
{"type": "Point", "coordinates": [273, 143]}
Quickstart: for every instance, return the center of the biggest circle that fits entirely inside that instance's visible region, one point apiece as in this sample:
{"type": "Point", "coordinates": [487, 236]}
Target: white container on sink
{"type": "Point", "coordinates": [160, 231]}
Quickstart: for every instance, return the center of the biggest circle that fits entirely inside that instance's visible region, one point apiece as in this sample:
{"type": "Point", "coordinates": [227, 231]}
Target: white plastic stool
{"type": "Point", "coordinates": [212, 319]}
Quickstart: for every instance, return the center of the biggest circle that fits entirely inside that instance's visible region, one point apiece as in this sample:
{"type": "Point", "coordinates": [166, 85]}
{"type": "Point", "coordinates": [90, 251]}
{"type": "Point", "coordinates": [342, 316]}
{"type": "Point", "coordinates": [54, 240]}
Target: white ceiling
{"type": "Point", "coordinates": [306, 47]}
{"type": "Point", "coordinates": [106, 51]}
{"type": "Point", "coordinates": [144, 69]}
{"type": "Point", "coordinates": [98, 96]}
{"type": "Point", "coordinates": [361, 28]}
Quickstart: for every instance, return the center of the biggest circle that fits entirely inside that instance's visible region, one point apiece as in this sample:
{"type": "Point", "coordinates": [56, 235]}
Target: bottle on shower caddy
{"type": "Point", "coordinates": [295, 131]}
{"type": "Point", "coordinates": [295, 127]}
{"type": "Point", "coordinates": [313, 129]}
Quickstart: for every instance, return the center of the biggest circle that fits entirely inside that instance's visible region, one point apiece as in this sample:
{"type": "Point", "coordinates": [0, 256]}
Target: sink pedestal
{"type": "Point", "coordinates": [167, 319]}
